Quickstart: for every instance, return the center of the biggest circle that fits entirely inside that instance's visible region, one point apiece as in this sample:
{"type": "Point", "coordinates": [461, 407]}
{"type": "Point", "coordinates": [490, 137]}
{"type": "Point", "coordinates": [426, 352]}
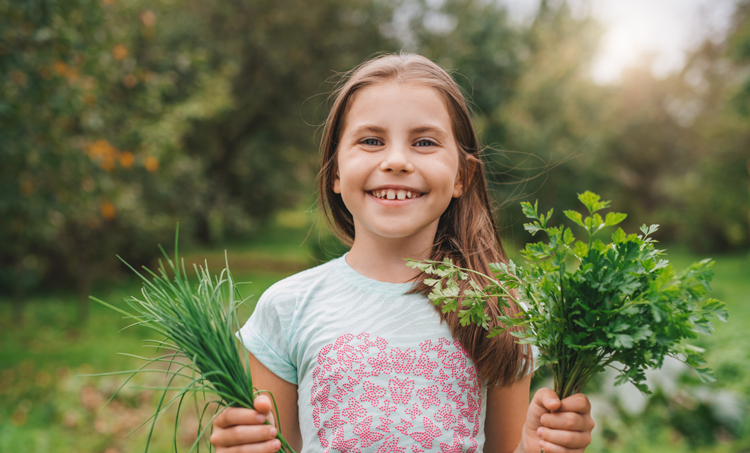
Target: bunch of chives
{"type": "Point", "coordinates": [199, 324]}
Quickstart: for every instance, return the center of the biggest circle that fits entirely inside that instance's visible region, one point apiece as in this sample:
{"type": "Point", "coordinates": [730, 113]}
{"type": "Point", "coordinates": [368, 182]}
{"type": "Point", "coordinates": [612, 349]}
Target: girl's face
{"type": "Point", "coordinates": [398, 164]}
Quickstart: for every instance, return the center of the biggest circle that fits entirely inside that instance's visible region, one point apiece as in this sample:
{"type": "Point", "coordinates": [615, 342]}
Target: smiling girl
{"type": "Point", "coordinates": [356, 356]}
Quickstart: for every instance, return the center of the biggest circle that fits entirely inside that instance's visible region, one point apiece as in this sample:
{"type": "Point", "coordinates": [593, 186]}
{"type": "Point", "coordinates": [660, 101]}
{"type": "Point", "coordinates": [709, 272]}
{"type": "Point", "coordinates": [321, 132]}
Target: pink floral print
{"type": "Point", "coordinates": [433, 392]}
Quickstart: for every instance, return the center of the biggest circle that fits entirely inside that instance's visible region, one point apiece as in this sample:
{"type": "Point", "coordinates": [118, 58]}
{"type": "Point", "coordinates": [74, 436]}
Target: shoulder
{"type": "Point", "coordinates": [290, 290]}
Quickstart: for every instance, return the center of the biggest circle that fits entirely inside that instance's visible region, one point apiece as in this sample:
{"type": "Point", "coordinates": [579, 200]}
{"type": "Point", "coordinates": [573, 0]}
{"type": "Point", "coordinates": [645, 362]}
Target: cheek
{"type": "Point", "coordinates": [352, 172]}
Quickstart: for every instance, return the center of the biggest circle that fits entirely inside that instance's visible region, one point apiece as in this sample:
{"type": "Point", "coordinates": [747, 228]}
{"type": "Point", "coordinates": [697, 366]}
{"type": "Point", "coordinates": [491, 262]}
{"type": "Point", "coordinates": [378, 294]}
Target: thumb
{"type": "Point", "coordinates": [263, 404]}
{"type": "Point", "coordinates": [544, 402]}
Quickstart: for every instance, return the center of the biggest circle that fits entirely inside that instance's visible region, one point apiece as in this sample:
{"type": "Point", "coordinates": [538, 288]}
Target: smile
{"type": "Point", "coordinates": [390, 194]}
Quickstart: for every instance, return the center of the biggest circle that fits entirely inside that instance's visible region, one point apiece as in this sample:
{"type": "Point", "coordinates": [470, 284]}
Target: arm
{"type": "Point", "coordinates": [240, 426]}
{"type": "Point", "coordinates": [506, 414]}
{"type": "Point", "coordinates": [514, 426]}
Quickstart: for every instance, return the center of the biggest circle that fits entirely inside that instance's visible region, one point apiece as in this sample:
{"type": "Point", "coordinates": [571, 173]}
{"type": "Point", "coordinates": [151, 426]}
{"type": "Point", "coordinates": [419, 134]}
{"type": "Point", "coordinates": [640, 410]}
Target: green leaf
{"type": "Point", "coordinates": [591, 201]}
{"type": "Point", "coordinates": [532, 228]}
{"type": "Point", "coordinates": [568, 237]}
{"type": "Point", "coordinates": [575, 216]}
{"type": "Point", "coordinates": [530, 211]}
{"type": "Point", "coordinates": [544, 219]}
{"type": "Point", "coordinates": [580, 249]}
{"type": "Point", "coordinates": [716, 308]}
{"type": "Point", "coordinates": [619, 236]}
{"type": "Point", "coordinates": [623, 341]}
{"type": "Point", "coordinates": [647, 230]}
{"type": "Point", "coordinates": [613, 218]}
{"type": "Point", "coordinates": [432, 282]}
{"type": "Point", "coordinates": [706, 375]}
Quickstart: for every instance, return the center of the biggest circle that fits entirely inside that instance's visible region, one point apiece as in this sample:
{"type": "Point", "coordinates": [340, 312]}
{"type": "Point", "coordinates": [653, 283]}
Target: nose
{"type": "Point", "coordinates": [396, 160]}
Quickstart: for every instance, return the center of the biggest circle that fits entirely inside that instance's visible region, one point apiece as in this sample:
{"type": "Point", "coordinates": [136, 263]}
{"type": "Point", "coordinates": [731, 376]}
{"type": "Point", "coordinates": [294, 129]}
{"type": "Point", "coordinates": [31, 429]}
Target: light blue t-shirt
{"type": "Point", "coordinates": [376, 370]}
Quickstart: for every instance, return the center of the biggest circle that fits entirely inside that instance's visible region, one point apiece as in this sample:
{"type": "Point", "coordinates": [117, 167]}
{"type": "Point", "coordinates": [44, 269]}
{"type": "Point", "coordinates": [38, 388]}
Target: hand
{"type": "Point", "coordinates": [241, 430]}
{"type": "Point", "coordinates": [556, 426]}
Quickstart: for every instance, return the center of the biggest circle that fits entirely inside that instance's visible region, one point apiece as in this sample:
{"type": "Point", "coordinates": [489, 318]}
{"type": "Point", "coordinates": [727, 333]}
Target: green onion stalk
{"type": "Point", "coordinates": [198, 323]}
{"type": "Point", "coordinates": [588, 305]}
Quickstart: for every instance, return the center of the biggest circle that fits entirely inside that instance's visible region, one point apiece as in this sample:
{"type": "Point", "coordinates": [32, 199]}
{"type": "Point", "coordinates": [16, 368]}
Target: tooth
{"type": "Point", "coordinates": [408, 194]}
{"type": "Point", "coordinates": [391, 194]}
{"type": "Point", "coordinates": [382, 193]}
{"type": "Point", "coordinates": [401, 195]}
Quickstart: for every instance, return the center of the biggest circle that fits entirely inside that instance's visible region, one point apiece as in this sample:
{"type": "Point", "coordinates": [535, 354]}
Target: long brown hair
{"type": "Point", "coordinates": [466, 231]}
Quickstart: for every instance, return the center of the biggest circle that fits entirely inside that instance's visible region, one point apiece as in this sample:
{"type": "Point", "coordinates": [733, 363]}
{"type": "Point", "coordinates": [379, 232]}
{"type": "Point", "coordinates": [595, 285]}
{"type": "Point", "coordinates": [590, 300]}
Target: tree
{"type": "Point", "coordinates": [120, 119]}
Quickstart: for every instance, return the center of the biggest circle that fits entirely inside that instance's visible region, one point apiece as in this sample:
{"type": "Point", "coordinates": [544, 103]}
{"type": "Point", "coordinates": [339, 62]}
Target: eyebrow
{"type": "Point", "coordinates": [423, 129]}
{"type": "Point", "coordinates": [369, 128]}
{"type": "Point", "coordinates": [381, 130]}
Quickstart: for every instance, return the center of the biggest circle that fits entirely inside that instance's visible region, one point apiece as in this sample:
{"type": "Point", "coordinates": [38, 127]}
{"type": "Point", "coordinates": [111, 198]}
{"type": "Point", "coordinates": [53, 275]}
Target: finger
{"type": "Point", "coordinates": [549, 447]}
{"type": "Point", "coordinates": [571, 421]}
{"type": "Point", "coordinates": [232, 416]}
{"type": "Point", "coordinates": [546, 399]}
{"type": "Point", "coordinates": [568, 439]}
{"type": "Point", "coordinates": [576, 403]}
{"type": "Point", "coordinates": [263, 404]}
{"type": "Point", "coordinates": [265, 447]}
{"type": "Point", "coordinates": [243, 434]}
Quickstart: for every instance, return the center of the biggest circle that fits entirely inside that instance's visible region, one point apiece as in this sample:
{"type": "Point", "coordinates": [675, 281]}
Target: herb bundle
{"type": "Point", "coordinates": [587, 304]}
{"type": "Point", "coordinates": [199, 325]}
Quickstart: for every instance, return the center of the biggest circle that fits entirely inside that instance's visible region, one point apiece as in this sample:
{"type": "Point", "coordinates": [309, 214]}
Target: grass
{"type": "Point", "coordinates": [44, 408]}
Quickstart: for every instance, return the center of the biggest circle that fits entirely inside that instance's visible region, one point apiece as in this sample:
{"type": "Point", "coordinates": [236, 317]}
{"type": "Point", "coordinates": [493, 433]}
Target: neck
{"type": "Point", "coordinates": [382, 259]}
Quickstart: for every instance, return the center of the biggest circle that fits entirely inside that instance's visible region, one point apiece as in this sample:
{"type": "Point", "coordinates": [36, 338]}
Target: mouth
{"type": "Point", "coordinates": [391, 194]}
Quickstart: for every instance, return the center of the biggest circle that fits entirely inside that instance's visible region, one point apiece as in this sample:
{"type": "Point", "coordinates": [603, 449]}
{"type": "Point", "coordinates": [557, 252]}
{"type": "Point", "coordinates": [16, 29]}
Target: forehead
{"type": "Point", "coordinates": [398, 105]}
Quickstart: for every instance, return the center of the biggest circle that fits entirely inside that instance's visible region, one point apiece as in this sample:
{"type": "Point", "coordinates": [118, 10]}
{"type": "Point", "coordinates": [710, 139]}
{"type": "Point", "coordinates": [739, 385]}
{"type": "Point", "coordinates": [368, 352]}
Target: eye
{"type": "Point", "coordinates": [424, 143]}
{"type": "Point", "coordinates": [371, 142]}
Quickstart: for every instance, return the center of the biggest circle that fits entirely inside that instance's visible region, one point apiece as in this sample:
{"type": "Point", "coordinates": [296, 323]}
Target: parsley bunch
{"type": "Point", "coordinates": [587, 304]}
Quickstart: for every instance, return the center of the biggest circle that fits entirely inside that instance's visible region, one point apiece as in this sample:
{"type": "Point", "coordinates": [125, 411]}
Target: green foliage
{"type": "Point", "coordinates": [85, 171]}
{"type": "Point", "coordinates": [120, 118]}
{"type": "Point", "coordinates": [199, 325]}
{"type": "Point", "coordinates": [587, 304]}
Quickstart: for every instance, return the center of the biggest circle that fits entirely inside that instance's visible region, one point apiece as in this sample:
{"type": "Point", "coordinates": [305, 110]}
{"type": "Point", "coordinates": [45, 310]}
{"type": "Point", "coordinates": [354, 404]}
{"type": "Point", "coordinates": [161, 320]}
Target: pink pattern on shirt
{"type": "Point", "coordinates": [366, 435]}
{"type": "Point", "coordinates": [345, 399]}
{"type": "Point", "coordinates": [391, 446]}
{"type": "Point", "coordinates": [414, 412]}
{"type": "Point", "coordinates": [429, 396]}
{"type": "Point", "coordinates": [403, 361]}
{"type": "Point", "coordinates": [354, 410]}
{"type": "Point", "coordinates": [401, 391]}
{"type": "Point", "coordinates": [384, 422]}
{"type": "Point", "coordinates": [429, 434]}
{"type": "Point", "coordinates": [404, 426]}
{"type": "Point", "coordinates": [341, 444]}
{"type": "Point", "coordinates": [373, 393]}
{"type": "Point", "coordinates": [387, 408]}
{"type": "Point", "coordinates": [445, 416]}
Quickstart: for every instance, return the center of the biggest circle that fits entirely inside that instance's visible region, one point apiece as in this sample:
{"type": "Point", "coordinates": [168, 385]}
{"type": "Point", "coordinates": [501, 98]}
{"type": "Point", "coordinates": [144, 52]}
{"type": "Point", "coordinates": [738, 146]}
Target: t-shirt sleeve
{"type": "Point", "coordinates": [266, 334]}
{"type": "Point", "coordinates": [533, 368]}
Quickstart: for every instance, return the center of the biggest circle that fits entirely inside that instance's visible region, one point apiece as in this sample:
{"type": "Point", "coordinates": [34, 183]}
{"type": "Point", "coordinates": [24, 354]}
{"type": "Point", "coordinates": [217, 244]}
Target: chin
{"type": "Point", "coordinates": [394, 232]}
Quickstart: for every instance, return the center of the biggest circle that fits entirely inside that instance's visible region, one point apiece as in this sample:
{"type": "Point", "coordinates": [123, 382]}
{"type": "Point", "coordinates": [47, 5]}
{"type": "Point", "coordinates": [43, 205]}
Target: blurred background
{"type": "Point", "coordinates": [120, 118]}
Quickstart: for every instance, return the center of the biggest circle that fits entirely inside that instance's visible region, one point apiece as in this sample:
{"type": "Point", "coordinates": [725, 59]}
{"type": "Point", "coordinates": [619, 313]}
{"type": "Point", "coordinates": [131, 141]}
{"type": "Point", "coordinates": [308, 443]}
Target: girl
{"type": "Point", "coordinates": [356, 356]}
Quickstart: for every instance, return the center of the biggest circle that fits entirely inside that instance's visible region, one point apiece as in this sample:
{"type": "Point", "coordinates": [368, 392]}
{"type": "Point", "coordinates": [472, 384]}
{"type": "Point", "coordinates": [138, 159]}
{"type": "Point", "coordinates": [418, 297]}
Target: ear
{"type": "Point", "coordinates": [337, 183]}
{"type": "Point", "coordinates": [458, 186]}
